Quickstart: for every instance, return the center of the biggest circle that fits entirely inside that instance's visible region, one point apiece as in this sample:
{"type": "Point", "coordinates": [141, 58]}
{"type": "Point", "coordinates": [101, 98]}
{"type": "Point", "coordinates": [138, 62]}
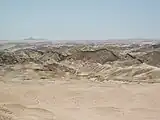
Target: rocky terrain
{"type": "Point", "coordinates": [24, 66]}
{"type": "Point", "coordinates": [101, 63]}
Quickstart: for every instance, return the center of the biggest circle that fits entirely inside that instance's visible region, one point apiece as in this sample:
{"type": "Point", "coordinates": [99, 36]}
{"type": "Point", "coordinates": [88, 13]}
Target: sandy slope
{"type": "Point", "coordinates": [77, 100]}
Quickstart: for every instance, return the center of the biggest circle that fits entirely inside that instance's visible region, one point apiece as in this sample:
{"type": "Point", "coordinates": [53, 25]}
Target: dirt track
{"type": "Point", "coordinates": [77, 100]}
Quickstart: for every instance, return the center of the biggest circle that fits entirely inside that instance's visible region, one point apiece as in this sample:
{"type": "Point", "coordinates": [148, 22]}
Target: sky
{"type": "Point", "coordinates": [79, 19]}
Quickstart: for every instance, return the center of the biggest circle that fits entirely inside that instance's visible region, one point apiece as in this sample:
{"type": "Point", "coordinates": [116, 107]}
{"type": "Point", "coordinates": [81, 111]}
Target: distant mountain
{"type": "Point", "coordinates": [31, 38]}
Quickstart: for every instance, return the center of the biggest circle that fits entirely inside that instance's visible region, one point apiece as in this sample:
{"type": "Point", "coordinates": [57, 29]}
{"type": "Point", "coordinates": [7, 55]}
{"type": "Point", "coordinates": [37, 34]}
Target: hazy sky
{"type": "Point", "coordinates": [79, 19]}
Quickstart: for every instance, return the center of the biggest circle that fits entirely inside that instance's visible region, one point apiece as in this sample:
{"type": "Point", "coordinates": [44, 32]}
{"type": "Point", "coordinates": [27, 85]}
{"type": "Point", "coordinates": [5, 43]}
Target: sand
{"type": "Point", "coordinates": [77, 100]}
{"type": "Point", "coordinates": [48, 83]}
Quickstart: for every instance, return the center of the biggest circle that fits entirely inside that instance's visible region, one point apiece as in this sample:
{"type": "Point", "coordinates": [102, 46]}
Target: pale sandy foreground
{"type": "Point", "coordinates": [79, 100]}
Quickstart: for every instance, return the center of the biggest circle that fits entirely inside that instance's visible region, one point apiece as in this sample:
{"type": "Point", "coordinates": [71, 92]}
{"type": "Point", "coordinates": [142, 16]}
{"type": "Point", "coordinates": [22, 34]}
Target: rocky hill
{"type": "Point", "coordinates": [96, 62]}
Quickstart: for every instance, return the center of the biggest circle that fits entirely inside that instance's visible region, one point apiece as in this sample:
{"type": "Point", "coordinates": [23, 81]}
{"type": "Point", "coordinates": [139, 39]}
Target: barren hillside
{"type": "Point", "coordinates": [74, 82]}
